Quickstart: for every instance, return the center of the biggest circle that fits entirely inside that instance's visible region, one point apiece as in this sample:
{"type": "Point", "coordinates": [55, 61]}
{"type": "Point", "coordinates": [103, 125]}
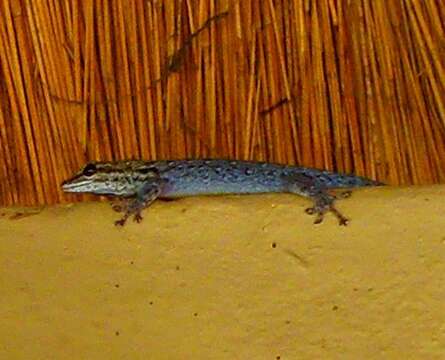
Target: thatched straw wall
{"type": "Point", "coordinates": [352, 85]}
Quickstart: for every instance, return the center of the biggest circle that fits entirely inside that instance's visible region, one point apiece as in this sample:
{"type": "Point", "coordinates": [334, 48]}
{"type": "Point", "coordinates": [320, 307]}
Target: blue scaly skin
{"type": "Point", "coordinates": [138, 183]}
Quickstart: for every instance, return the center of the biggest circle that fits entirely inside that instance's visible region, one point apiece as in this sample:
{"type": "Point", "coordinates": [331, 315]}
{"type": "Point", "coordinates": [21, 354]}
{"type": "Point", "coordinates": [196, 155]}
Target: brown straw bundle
{"type": "Point", "coordinates": [354, 86]}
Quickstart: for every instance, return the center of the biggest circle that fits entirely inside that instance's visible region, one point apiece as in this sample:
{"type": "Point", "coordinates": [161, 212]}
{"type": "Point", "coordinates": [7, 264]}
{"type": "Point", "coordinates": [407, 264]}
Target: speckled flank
{"type": "Point", "coordinates": [194, 177]}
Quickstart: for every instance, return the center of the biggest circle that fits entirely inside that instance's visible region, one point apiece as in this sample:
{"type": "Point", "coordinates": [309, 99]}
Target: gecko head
{"type": "Point", "coordinates": [121, 178]}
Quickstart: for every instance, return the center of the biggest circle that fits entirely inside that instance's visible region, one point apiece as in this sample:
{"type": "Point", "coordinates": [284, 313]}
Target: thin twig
{"type": "Point", "coordinates": [173, 64]}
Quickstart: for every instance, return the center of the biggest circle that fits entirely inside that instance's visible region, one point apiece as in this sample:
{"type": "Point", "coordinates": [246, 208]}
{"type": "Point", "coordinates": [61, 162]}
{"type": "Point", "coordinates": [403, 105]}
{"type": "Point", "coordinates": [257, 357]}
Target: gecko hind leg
{"type": "Point", "coordinates": [323, 202]}
{"type": "Point", "coordinates": [307, 185]}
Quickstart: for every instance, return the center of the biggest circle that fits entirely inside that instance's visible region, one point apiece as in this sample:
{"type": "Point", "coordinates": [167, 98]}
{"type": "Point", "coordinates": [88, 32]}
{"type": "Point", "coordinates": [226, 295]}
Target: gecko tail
{"type": "Point", "coordinates": [334, 180]}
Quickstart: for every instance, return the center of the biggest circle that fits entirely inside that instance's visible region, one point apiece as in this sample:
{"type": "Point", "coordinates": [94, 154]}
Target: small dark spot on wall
{"type": "Point", "coordinates": [195, 314]}
{"type": "Point", "coordinates": [177, 267]}
{"type": "Point", "coordinates": [274, 245]}
{"type": "Point", "coordinates": [278, 357]}
{"type": "Point", "coordinates": [151, 302]}
{"type": "Point", "coordinates": [117, 333]}
{"type": "Point", "coordinates": [370, 289]}
{"type": "Point", "coordinates": [335, 308]}
{"type": "Point", "coordinates": [116, 285]}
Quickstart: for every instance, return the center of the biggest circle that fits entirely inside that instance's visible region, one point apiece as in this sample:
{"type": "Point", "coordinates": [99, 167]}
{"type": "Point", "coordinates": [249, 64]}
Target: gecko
{"type": "Point", "coordinates": [138, 183]}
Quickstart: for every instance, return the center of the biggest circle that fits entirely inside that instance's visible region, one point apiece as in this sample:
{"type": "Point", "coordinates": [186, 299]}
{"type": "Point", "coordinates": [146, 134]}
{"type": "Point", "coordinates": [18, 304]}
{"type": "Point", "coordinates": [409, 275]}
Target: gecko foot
{"type": "Point", "coordinates": [134, 206]}
{"type": "Point", "coordinates": [123, 220]}
{"type": "Point", "coordinates": [341, 219]}
{"type": "Point", "coordinates": [121, 206]}
{"type": "Point", "coordinates": [323, 198]}
{"type": "Point", "coordinates": [319, 219]}
{"type": "Point", "coordinates": [120, 222]}
{"type": "Point", "coordinates": [312, 211]}
{"type": "Point", "coordinates": [137, 218]}
{"type": "Point", "coordinates": [323, 204]}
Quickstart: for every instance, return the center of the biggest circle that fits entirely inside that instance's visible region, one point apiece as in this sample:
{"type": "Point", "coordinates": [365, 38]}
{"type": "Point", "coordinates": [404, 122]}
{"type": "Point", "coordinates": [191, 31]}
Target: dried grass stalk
{"type": "Point", "coordinates": [354, 86]}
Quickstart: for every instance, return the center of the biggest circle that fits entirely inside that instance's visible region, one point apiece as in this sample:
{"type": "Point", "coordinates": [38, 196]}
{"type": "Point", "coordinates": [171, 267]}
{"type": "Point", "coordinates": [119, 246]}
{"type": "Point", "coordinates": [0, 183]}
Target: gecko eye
{"type": "Point", "coordinates": [89, 170]}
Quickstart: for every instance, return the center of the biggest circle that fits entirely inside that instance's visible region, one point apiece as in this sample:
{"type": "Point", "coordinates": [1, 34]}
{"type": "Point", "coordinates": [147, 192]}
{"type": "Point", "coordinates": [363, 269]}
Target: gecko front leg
{"type": "Point", "coordinates": [143, 199]}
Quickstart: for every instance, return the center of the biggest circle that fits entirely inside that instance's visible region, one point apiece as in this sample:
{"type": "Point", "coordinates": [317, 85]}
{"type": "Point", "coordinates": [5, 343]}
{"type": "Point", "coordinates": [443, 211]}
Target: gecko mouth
{"type": "Point", "coordinates": [75, 185]}
{"type": "Point", "coordinates": [82, 185]}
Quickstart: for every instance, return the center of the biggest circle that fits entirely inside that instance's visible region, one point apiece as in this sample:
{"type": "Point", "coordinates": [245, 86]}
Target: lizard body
{"type": "Point", "coordinates": [140, 182]}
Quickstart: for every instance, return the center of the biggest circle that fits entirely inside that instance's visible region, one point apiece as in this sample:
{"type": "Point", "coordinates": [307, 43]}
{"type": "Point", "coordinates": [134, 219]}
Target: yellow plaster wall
{"type": "Point", "coordinates": [235, 277]}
